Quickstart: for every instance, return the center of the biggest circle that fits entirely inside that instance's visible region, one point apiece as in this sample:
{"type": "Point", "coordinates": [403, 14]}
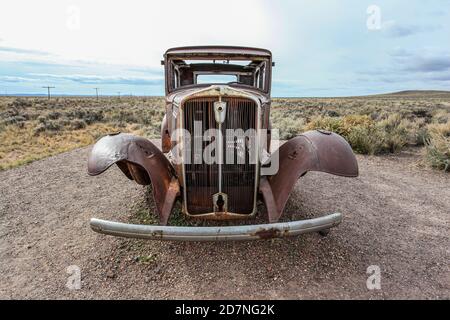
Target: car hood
{"type": "Point", "coordinates": [181, 95]}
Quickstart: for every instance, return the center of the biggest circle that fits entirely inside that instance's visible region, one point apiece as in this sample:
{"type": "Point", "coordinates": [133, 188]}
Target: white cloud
{"type": "Point", "coordinates": [96, 79]}
{"type": "Point", "coordinates": [16, 79]}
{"type": "Point", "coordinates": [137, 31]}
{"type": "Point", "coordinates": [316, 44]}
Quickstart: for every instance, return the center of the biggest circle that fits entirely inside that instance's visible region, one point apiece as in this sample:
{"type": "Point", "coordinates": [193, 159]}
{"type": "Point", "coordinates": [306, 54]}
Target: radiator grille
{"type": "Point", "coordinates": [238, 180]}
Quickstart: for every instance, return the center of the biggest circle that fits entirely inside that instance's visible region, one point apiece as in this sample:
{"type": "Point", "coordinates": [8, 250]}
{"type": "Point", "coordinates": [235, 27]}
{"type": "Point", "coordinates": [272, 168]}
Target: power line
{"type": "Point", "coordinates": [48, 89]}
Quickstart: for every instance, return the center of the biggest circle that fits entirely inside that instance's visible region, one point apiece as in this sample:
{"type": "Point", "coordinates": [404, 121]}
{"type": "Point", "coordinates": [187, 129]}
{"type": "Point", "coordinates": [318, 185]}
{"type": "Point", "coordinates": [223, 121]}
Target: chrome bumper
{"type": "Point", "coordinates": [231, 233]}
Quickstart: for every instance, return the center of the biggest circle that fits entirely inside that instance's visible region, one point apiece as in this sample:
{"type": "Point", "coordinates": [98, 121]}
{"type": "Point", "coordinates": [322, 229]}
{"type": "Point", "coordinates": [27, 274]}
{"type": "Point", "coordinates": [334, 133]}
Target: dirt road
{"type": "Point", "coordinates": [396, 216]}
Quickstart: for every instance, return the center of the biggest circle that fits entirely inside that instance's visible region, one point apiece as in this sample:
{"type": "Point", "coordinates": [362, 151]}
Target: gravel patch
{"type": "Point", "coordinates": [396, 216]}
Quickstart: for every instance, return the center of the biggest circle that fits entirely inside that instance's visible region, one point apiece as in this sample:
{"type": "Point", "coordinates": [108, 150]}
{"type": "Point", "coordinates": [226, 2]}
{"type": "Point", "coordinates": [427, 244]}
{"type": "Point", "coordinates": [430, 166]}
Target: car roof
{"type": "Point", "coordinates": [218, 51]}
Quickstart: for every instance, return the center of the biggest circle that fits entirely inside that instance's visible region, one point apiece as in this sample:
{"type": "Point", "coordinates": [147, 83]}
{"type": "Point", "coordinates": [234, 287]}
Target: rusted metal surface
{"type": "Point", "coordinates": [311, 151]}
{"type": "Point", "coordinates": [141, 161]}
{"type": "Point", "coordinates": [217, 51]}
{"type": "Point", "coordinates": [231, 233]}
{"type": "Point", "coordinates": [166, 144]}
{"type": "Point", "coordinates": [179, 97]}
{"type": "Point", "coordinates": [176, 55]}
{"type": "Point", "coordinates": [223, 192]}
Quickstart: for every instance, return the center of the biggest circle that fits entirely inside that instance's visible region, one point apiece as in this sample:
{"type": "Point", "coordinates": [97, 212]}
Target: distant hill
{"type": "Point", "coordinates": [418, 93]}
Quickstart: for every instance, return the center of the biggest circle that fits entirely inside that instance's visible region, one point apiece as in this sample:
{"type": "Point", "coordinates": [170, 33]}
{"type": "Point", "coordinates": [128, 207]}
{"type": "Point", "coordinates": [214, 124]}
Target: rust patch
{"type": "Point", "coordinates": [268, 233]}
{"type": "Point", "coordinates": [158, 234]}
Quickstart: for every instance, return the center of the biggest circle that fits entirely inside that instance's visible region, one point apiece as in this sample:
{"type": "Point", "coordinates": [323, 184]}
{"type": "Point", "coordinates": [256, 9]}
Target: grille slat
{"type": "Point", "coordinates": [238, 180]}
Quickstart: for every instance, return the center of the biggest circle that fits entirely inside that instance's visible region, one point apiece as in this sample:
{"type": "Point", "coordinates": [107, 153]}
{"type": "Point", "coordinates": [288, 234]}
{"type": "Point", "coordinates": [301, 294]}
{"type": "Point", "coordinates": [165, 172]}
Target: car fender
{"type": "Point", "coordinates": [140, 160]}
{"type": "Point", "coordinates": [316, 150]}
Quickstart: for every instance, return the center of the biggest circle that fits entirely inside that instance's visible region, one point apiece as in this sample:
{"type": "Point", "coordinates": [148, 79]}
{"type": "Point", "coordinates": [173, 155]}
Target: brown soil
{"type": "Point", "coordinates": [396, 216]}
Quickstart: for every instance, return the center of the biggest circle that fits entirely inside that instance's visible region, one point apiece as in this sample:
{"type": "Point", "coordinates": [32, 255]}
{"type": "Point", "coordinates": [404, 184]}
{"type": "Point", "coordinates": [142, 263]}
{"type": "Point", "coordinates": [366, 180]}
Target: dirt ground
{"type": "Point", "coordinates": [396, 216]}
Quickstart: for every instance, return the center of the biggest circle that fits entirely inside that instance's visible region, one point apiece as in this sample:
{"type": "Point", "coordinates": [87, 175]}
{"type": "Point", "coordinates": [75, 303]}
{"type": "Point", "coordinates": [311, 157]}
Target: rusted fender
{"type": "Point", "coordinates": [312, 151]}
{"type": "Point", "coordinates": [141, 161]}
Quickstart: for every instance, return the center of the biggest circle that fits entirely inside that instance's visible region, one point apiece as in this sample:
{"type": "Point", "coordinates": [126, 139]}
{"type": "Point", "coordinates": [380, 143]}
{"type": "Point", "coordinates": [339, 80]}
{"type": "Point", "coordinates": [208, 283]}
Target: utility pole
{"type": "Point", "coordinates": [118, 94]}
{"type": "Point", "coordinates": [96, 92]}
{"type": "Point", "coordinates": [48, 89]}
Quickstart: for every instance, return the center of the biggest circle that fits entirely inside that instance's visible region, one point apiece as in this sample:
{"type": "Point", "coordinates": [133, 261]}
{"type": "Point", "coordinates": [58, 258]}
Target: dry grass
{"type": "Point", "coordinates": [437, 151]}
{"type": "Point", "coordinates": [35, 128]}
{"type": "Point", "coordinates": [374, 125]}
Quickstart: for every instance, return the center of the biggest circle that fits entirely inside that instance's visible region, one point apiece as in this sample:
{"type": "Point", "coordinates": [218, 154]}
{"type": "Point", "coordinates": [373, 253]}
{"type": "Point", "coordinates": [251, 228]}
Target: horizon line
{"type": "Point", "coordinates": [38, 95]}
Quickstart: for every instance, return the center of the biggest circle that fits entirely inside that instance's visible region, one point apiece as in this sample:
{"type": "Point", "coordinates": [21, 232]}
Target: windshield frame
{"type": "Point", "coordinates": [173, 62]}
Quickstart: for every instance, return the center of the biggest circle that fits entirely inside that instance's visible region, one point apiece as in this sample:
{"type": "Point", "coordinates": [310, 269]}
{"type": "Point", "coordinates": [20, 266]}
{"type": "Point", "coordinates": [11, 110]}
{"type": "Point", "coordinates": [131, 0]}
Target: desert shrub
{"type": "Point", "coordinates": [89, 116]}
{"type": "Point", "coordinates": [366, 140]}
{"type": "Point", "coordinates": [437, 151]}
{"type": "Point", "coordinates": [14, 120]}
{"type": "Point", "coordinates": [422, 136]}
{"type": "Point", "coordinates": [22, 103]}
{"type": "Point", "coordinates": [54, 115]}
{"type": "Point", "coordinates": [395, 132]}
{"type": "Point", "coordinates": [441, 129]}
{"type": "Point", "coordinates": [50, 125]}
{"type": "Point", "coordinates": [124, 116]}
{"type": "Point", "coordinates": [42, 119]}
{"type": "Point", "coordinates": [10, 112]}
{"type": "Point", "coordinates": [416, 131]}
{"type": "Point", "coordinates": [437, 146]}
{"type": "Point", "coordinates": [93, 116]}
{"type": "Point", "coordinates": [135, 127]}
{"type": "Point", "coordinates": [422, 113]}
{"type": "Point", "coordinates": [325, 123]}
{"type": "Point", "coordinates": [63, 122]}
{"type": "Point", "coordinates": [350, 122]}
{"type": "Point", "coordinates": [288, 128]}
{"type": "Point", "coordinates": [77, 124]}
{"type": "Point", "coordinates": [441, 116]}
{"type": "Point", "coordinates": [332, 113]}
{"type": "Point", "coordinates": [359, 130]}
{"type": "Point", "coordinates": [389, 134]}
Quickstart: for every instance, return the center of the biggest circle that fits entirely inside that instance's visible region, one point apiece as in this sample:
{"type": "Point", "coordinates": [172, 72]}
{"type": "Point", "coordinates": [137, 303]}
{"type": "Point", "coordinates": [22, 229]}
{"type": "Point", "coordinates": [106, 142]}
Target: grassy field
{"type": "Point", "coordinates": [35, 128]}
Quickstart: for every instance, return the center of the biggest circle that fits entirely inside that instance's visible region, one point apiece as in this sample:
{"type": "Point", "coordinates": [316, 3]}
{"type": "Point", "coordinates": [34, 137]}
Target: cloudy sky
{"type": "Point", "coordinates": [321, 48]}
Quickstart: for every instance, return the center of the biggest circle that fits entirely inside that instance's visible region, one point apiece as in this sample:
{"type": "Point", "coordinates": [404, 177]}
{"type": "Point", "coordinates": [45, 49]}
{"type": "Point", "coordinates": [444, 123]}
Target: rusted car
{"type": "Point", "coordinates": [217, 154]}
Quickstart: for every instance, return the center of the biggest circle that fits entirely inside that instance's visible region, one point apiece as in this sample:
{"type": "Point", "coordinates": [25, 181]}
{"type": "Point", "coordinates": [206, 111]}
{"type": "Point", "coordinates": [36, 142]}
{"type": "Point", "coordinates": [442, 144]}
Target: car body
{"type": "Point", "coordinates": [217, 151]}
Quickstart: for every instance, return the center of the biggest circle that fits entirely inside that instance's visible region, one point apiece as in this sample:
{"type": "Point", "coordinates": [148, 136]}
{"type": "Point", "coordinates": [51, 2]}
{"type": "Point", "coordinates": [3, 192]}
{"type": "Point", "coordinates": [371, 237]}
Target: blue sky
{"type": "Point", "coordinates": [321, 48]}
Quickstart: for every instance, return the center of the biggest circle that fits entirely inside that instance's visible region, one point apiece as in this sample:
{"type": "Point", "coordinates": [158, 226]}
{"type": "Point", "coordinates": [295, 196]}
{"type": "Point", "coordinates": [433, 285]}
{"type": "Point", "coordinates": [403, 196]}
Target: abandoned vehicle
{"type": "Point", "coordinates": [218, 153]}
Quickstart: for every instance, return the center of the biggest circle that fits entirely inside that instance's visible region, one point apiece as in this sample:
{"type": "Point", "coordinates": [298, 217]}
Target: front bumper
{"type": "Point", "coordinates": [229, 233]}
